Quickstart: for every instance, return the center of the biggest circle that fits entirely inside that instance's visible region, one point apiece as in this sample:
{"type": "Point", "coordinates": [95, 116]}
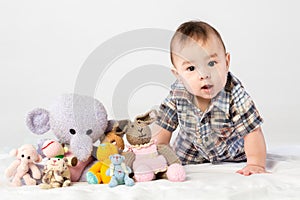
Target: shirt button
{"type": "Point", "coordinates": [206, 139]}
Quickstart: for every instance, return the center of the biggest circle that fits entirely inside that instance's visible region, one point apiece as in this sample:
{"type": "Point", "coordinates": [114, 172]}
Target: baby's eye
{"type": "Point", "coordinates": [212, 63]}
{"type": "Point", "coordinates": [191, 68]}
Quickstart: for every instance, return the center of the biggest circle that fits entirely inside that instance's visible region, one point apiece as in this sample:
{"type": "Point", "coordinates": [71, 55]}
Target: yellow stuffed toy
{"type": "Point", "coordinates": [96, 173]}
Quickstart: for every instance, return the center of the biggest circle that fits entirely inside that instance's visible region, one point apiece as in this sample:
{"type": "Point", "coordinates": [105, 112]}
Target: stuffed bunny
{"type": "Point", "coordinates": [76, 120]}
{"type": "Point", "coordinates": [145, 157]}
{"type": "Point", "coordinates": [56, 174]}
{"type": "Point", "coordinates": [26, 156]}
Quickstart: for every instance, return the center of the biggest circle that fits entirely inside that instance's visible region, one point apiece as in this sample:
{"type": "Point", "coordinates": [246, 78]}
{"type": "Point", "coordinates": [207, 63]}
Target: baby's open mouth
{"type": "Point", "coordinates": [206, 87]}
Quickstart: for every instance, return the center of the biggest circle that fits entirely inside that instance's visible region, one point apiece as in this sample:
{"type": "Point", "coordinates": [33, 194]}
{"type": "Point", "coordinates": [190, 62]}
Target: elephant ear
{"type": "Point", "coordinates": [38, 121]}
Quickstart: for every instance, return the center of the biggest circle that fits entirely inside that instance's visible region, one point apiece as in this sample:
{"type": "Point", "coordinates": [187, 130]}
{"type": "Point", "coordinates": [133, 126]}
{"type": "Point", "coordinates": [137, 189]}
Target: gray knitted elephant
{"type": "Point", "coordinates": [76, 120]}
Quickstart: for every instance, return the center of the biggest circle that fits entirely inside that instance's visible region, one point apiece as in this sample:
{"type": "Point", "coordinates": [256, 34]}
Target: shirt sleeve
{"type": "Point", "coordinates": [246, 117]}
{"type": "Point", "coordinates": [167, 114]}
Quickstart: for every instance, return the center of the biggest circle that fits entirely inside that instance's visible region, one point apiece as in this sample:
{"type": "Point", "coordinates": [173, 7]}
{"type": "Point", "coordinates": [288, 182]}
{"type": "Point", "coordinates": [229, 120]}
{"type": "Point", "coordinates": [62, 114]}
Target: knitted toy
{"type": "Point", "coordinates": [146, 157]}
{"type": "Point", "coordinates": [96, 173]}
{"type": "Point", "coordinates": [115, 136]}
{"type": "Point", "coordinates": [53, 149]}
{"type": "Point", "coordinates": [26, 156]}
{"type": "Point", "coordinates": [118, 171]}
{"type": "Point", "coordinates": [76, 120]}
{"type": "Point", "coordinates": [55, 174]}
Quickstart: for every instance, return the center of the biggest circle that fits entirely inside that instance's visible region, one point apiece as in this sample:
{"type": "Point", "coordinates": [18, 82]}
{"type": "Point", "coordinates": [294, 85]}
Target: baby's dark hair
{"type": "Point", "coordinates": [193, 30]}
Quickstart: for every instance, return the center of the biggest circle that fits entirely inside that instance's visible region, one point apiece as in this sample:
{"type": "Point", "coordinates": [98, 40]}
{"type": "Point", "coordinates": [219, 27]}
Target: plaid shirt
{"type": "Point", "coordinates": [215, 135]}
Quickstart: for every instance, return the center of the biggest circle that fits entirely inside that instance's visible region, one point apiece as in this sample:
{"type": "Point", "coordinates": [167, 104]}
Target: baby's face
{"type": "Point", "coordinates": [202, 68]}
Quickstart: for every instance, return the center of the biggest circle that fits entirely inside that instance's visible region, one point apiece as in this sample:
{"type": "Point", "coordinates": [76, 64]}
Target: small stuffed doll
{"type": "Point", "coordinates": [115, 136]}
{"type": "Point", "coordinates": [56, 174]}
{"type": "Point", "coordinates": [26, 156]}
{"type": "Point", "coordinates": [119, 172]}
{"type": "Point", "coordinates": [96, 173]}
{"type": "Point", "coordinates": [147, 159]}
{"type": "Point", "coordinates": [53, 149]}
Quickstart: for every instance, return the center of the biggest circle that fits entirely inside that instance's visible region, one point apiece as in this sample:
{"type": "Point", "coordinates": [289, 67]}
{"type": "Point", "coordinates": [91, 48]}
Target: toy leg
{"type": "Point", "coordinates": [16, 181]}
{"type": "Point", "coordinates": [143, 173]}
{"type": "Point", "coordinates": [93, 178]}
{"type": "Point", "coordinates": [28, 180]}
{"type": "Point", "coordinates": [45, 186]}
{"type": "Point", "coordinates": [56, 184]}
{"type": "Point", "coordinates": [77, 170]}
{"type": "Point", "coordinates": [113, 182]}
{"type": "Point", "coordinates": [66, 183]}
{"type": "Point", "coordinates": [176, 173]}
{"type": "Point", "coordinates": [128, 181]}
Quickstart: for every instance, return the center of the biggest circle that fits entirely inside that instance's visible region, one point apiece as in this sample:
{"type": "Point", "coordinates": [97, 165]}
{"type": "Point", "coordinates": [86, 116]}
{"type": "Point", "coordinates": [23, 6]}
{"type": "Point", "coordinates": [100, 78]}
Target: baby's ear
{"type": "Point", "coordinates": [38, 121]}
{"type": "Point", "coordinates": [174, 72]}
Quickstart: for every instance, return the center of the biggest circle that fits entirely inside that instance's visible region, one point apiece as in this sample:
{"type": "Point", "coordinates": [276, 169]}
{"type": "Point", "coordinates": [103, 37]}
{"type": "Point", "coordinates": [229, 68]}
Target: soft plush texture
{"type": "Point", "coordinates": [97, 172]}
{"type": "Point", "coordinates": [24, 164]}
{"type": "Point", "coordinates": [203, 181]}
{"type": "Point", "coordinates": [147, 159]}
{"type": "Point", "coordinates": [56, 174]}
{"type": "Point", "coordinates": [76, 120]}
{"type": "Point", "coordinates": [119, 172]}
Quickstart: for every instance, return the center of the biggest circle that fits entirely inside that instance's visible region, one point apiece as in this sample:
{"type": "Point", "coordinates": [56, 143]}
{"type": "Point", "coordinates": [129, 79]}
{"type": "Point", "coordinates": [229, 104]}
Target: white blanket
{"type": "Point", "coordinates": [204, 181]}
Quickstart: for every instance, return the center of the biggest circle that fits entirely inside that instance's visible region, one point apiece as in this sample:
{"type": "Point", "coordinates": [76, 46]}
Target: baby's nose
{"type": "Point", "coordinates": [203, 73]}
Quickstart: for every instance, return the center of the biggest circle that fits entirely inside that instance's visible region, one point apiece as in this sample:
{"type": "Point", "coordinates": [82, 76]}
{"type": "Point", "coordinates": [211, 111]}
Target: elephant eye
{"type": "Point", "coordinates": [89, 132]}
{"type": "Point", "coordinates": [72, 131]}
{"type": "Point", "coordinates": [22, 155]}
{"type": "Point", "coordinates": [28, 157]}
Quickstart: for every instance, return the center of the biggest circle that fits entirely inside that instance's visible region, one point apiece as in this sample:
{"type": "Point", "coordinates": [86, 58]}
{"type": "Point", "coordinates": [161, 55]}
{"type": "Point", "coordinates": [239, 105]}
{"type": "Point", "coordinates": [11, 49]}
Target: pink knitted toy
{"type": "Point", "coordinates": [26, 156]}
{"type": "Point", "coordinates": [146, 158]}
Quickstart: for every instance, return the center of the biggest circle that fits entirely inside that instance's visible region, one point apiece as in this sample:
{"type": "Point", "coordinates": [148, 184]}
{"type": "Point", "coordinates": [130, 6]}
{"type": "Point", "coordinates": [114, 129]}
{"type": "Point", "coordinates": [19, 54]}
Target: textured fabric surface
{"type": "Point", "coordinates": [204, 181]}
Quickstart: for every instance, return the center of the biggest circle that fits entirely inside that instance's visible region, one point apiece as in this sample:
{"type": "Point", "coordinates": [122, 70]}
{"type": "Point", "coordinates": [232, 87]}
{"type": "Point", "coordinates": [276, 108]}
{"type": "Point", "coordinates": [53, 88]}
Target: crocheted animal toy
{"type": "Point", "coordinates": [53, 149]}
{"type": "Point", "coordinates": [115, 136]}
{"type": "Point", "coordinates": [55, 174]}
{"type": "Point", "coordinates": [96, 173]}
{"type": "Point", "coordinates": [147, 159]}
{"type": "Point", "coordinates": [76, 120]}
{"type": "Point", "coordinates": [26, 156]}
{"type": "Point", "coordinates": [119, 172]}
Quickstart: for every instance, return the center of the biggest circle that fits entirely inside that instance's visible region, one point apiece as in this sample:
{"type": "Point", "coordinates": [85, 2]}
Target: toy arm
{"type": "Point", "coordinates": [128, 169]}
{"type": "Point", "coordinates": [58, 176]}
{"type": "Point", "coordinates": [35, 171]}
{"type": "Point", "coordinates": [129, 158]}
{"type": "Point", "coordinates": [168, 153]}
{"type": "Point", "coordinates": [107, 172]}
{"type": "Point", "coordinates": [11, 170]}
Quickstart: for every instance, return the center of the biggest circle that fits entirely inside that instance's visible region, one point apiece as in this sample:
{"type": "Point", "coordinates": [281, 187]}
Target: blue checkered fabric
{"type": "Point", "coordinates": [216, 134]}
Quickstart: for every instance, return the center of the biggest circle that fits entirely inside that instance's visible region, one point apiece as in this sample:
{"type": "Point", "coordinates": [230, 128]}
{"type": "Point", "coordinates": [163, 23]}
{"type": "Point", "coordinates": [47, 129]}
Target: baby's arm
{"type": "Point", "coordinates": [161, 135]}
{"type": "Point", "coordinates": [255, 149]}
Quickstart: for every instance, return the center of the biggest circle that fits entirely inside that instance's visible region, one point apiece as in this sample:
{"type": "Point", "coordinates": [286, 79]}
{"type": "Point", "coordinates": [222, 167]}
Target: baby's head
{"type": "Point", "coordinates": [200, 61]}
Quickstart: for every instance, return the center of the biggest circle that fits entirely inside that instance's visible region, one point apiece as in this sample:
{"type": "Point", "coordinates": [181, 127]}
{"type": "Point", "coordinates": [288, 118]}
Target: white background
{"type": "Point", "coordinates": [43, 45]}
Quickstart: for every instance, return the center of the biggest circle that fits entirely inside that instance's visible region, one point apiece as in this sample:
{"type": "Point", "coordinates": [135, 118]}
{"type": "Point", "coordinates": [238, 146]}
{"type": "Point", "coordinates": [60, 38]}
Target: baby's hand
{"type": "Point", "coordinates": [252, 169]}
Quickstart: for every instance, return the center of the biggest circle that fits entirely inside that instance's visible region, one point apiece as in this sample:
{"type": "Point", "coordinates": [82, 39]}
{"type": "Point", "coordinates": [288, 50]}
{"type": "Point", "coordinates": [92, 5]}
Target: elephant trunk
{"type": "Point", "coordinates": [81, 146]}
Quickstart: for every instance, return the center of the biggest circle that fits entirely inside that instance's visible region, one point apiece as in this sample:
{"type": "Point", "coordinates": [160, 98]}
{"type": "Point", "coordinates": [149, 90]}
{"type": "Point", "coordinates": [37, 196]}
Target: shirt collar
{"type": "Point", "coordinates": [221, 100]}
